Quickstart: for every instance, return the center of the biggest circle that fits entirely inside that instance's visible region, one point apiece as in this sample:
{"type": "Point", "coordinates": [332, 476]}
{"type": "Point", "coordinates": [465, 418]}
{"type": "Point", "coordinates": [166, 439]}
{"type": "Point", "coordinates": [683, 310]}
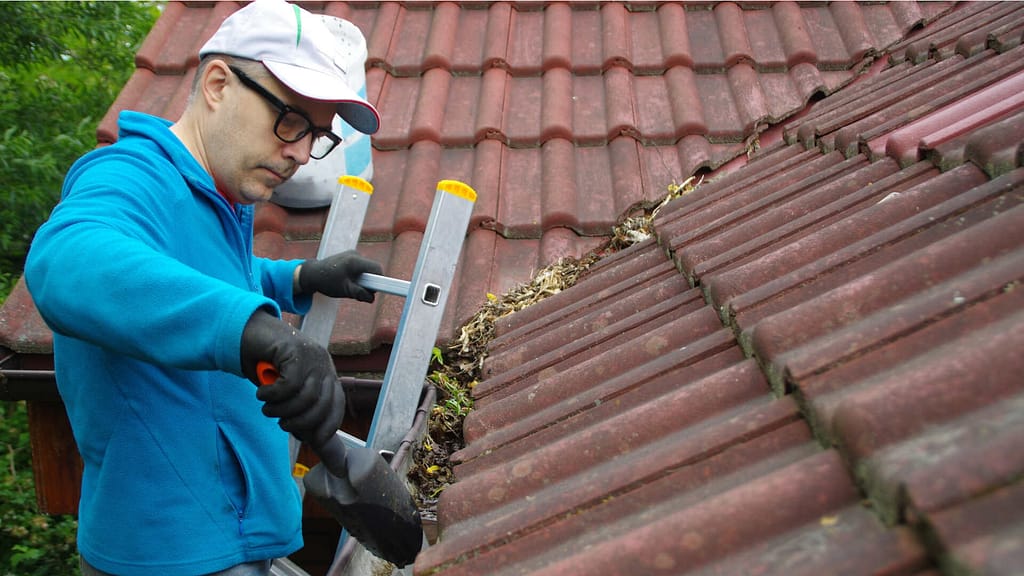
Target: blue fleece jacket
{"type": "Point", "coordinates": [146, 275]}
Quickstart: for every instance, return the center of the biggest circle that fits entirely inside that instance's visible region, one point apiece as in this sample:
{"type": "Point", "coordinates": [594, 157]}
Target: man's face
{"type": "Point", "coordinates": [246, 158]}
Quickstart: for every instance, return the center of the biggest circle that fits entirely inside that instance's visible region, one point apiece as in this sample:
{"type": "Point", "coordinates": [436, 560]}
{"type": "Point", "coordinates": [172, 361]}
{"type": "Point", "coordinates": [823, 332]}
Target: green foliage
{"type": "Point", "coordinates": [454, 401]}
{"type": "Point", "coordinates": [436, 356]}
{"type": "Point", "coordinates": [31, 544]}
{"type": "Point", "coordinates": [62, 65]}
{"type": "Point", "coordinates": [7, 281]}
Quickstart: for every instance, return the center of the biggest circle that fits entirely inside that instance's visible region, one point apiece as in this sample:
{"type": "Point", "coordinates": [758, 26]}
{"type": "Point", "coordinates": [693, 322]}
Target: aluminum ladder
{"type": "Point", "coordinates": [425, 297]}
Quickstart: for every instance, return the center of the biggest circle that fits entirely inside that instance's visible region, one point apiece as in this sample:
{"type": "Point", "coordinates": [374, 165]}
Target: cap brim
{"type": "Point", "coordinates": [353, 109]}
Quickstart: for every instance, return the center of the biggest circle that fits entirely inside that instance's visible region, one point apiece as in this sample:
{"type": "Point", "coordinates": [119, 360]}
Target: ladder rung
{"type": "Point", "coordinates": [384, 284]}
{"type": "Point", "coordinates": [285, 567]}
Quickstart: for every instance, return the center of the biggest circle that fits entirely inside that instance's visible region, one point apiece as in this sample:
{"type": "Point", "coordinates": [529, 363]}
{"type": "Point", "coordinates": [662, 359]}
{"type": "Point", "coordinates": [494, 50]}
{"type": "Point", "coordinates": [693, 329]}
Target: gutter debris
{"type": "Point", "coordinates": [456, 369]}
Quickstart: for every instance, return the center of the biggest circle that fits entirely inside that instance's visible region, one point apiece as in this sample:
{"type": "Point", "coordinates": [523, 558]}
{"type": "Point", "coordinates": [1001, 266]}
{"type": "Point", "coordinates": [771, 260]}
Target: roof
{"type": "Point", "coordinates": [560, 115]}
{"type": "Point", "coordinates": [811, 369]}
{"type": "Point", "coordinates": [814, 367]}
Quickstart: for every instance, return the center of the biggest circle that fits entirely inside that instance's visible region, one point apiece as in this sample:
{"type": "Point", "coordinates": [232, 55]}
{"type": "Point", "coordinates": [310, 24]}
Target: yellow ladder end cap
{"type": "Point", "coordinates": [457, 188]}
{"type": "Point", "coordinates": [357, 183]}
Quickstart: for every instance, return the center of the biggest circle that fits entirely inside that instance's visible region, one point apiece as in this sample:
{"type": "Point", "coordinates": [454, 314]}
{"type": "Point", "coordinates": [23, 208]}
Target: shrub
{"type": "Point", "coordinates": [31, 544]}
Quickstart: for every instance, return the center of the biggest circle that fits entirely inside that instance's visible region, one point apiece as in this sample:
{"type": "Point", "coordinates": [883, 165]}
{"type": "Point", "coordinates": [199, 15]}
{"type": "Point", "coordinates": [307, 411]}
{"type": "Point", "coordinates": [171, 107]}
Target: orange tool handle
{"type": "Point", "coordinates": [266, 373]}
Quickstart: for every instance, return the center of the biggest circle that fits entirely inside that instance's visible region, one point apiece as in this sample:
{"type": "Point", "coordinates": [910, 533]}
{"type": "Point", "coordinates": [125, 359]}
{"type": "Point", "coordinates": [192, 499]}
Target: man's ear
{"type": "Point", "coordinates": [214, 82]}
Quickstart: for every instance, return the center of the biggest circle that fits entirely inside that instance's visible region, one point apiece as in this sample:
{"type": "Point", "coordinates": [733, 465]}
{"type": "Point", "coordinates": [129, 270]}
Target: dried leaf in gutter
{"type": "Point", "coordinates": [456, 370]}
{"type": "Point", "coordinates": [637, 224]}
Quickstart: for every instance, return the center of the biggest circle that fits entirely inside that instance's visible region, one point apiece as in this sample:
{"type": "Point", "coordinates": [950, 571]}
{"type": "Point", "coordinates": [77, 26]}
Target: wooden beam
{"type": "Point", "coordinates": [56, 465]}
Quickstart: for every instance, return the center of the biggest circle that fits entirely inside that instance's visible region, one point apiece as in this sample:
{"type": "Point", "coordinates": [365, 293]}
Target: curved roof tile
{"type": "Point", "coordinates": [821, 377]}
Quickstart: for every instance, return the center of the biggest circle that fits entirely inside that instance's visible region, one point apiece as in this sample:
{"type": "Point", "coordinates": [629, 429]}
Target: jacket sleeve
{"type": "Point", "coordinates": [276, 278]}
{"type": "Point", "coordinates": [101, 269]}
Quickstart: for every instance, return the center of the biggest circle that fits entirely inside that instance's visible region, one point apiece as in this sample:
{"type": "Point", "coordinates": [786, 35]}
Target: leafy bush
{"type": "Point", "coordinates": [61, 67]}
{"type": "Point", "coordinates": [31, 544]}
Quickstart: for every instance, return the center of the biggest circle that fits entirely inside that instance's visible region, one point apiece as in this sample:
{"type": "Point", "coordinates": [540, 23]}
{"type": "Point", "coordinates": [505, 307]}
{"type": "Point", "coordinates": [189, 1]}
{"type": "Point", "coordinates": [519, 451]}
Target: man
{"type": "Point", "coordinates": [160, 311]}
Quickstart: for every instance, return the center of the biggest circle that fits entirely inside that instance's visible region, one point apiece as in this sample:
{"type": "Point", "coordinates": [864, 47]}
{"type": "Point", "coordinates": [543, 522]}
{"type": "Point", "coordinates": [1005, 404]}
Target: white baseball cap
{"type": "Point", "coordinates": [300, 51]}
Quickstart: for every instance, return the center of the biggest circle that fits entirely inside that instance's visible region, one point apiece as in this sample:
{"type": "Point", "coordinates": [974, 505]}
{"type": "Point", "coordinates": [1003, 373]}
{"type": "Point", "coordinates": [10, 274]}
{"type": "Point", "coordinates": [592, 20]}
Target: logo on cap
{"type": "Point", "coordinates": [298, 25]}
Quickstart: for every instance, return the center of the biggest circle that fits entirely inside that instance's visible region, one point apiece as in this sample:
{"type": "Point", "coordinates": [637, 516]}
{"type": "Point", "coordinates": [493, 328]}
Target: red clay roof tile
{"type": "Point", "coordinates": [875, 295]}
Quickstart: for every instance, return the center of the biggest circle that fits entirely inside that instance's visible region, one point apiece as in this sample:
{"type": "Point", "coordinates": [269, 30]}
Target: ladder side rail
{"type": "Point", "coordinates": [421, 316]}
{"type": "Point", "coordinates": [341, 233]}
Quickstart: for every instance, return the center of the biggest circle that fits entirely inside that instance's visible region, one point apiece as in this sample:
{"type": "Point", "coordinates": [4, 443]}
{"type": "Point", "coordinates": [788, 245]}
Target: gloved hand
{"type": "Point", "coordinates": [306, 396]}
{"type": "Point", "coordinates": [336, 276]}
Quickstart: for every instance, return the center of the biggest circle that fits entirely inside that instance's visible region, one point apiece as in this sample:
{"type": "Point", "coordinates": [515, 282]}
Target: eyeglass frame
{"type": "Point", "coordinates": [283, 110]}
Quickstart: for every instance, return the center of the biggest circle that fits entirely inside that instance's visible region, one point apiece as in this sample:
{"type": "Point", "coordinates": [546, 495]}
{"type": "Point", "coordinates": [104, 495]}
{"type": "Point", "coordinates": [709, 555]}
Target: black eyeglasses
{"type": "Point", "coordinates": [292, 125]}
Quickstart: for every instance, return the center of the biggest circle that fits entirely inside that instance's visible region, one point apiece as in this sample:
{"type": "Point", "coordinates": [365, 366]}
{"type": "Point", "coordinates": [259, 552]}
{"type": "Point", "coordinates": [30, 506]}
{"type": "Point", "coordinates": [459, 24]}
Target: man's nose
{"type": "Point", "coordinates": [300, 150]}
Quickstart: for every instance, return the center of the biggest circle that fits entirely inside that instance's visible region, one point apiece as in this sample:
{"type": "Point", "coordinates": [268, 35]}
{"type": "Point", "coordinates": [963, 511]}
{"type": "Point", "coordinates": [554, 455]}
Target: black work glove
{"type": "Point", "coordinates": [306, 396]}
{"type": "Point", "coordinates": [336, 276]}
